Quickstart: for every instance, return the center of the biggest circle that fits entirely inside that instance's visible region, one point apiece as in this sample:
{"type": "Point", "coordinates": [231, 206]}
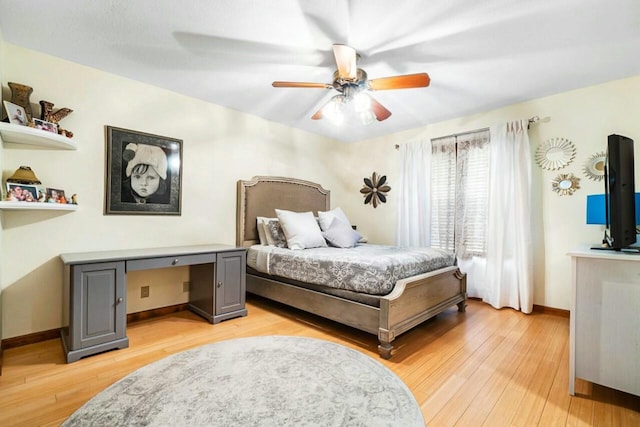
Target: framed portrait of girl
{"type": "Point", "coordinates": [143, 173]}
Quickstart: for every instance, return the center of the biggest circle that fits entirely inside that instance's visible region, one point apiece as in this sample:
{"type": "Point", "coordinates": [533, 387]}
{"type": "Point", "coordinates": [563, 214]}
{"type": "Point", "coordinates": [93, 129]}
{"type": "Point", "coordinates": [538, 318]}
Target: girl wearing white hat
{"type": "Point", "coordinates": [146, 174]}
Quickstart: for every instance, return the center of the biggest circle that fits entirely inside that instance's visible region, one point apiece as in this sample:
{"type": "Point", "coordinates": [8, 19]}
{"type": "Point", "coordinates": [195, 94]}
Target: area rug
{"type": "Point", "coordinates": [257, 381]}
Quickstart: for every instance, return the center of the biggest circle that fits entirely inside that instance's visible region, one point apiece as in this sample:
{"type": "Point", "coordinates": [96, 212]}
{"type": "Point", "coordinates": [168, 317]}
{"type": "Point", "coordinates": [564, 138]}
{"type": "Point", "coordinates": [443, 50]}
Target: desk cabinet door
{"type": "Point", "coordinates": [99, 309]}
{"type": "Point", "coordinates": [230, 282]}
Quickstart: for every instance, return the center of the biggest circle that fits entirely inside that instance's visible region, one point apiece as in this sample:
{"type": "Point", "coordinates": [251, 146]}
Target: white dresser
{"type": "Point", "coordinates": [605, 319]}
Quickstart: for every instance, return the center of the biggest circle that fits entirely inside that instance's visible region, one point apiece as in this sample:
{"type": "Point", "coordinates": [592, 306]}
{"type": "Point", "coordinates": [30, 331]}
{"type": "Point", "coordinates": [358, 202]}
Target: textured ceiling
{"type": "Point", "coordinates": [480, 55]}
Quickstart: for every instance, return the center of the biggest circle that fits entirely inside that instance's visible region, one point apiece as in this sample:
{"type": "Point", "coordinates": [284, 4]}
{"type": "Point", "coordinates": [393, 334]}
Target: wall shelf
{"type": "Point", "coordinates": [37, 206]}
{"type": "Point", "coordinates": [31, 136]}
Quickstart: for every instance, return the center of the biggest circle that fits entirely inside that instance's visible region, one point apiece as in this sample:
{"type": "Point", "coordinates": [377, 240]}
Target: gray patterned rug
{"type": "Point", "coordinates": [258, 381]}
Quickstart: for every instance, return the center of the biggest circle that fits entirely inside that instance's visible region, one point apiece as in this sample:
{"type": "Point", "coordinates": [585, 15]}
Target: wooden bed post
{"type": "Point", "coordinates": [384, 348]}
{"type": "Point", "coordinates": [462, 305]}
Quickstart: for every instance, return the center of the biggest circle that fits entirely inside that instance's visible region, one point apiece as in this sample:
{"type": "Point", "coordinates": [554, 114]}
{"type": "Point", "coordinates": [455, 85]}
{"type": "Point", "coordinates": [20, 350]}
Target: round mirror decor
{"type": "Point", "coordinates": [594, 166]}
{"type": "Point", "coordinates": [555, 153]}
{"type": "Point", "coordinates": [565, 184]}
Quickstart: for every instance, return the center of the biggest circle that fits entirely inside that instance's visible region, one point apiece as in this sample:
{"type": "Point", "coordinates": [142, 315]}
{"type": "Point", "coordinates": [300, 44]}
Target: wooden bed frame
{"type": "Point", "coordinates": [412, 301]}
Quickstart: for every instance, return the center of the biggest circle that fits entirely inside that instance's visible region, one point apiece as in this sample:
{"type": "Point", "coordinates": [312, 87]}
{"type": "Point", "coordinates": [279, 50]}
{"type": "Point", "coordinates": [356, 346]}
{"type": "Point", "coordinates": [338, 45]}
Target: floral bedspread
{"type": "Point", "coordinates": [371, 269]}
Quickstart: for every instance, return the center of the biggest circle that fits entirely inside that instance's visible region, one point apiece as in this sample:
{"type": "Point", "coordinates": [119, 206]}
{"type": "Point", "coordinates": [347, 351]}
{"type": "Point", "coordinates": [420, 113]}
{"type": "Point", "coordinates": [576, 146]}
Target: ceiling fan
{"type": "Point", "coordinates": [352, 83]}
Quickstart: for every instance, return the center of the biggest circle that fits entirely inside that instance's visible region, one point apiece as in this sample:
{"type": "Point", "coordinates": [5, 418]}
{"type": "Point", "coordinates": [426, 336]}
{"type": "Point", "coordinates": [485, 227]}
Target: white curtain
{"type": "Point", "coordinates": [414, 210]}
{"type": "Point", "coordinates": [509, 260]}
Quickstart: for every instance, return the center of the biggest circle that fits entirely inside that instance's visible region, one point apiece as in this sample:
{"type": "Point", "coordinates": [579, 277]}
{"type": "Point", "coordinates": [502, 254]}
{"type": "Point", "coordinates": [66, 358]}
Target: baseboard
{"type": "Point", "coordinates": [37, 337]}
{"type": "Point", "coordinates": [550, 310]}
{"type": "Point", "coordinates": [163, 311]}
{"type": "Point", "coordinates": [541, 309]}
{"type": "Point", "coordinates": [155, 312]}
{"type": "Point", "coordinates": [33, 338]}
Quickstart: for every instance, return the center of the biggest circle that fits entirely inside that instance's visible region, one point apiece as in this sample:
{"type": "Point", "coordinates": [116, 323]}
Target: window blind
{"type": "Point", "coordinates": [443, 192]}
{"type": "Point", "coordinates": [460, 174]}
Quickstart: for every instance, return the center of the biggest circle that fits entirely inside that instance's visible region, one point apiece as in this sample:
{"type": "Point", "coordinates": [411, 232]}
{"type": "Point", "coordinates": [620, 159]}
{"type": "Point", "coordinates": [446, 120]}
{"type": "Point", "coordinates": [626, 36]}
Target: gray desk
{"type": "Point", "coordinates": [94, 302]}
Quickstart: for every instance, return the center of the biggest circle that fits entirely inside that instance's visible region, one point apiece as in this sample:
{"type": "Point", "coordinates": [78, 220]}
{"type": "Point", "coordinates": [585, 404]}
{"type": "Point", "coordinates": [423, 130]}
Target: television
{"type": "Point", "coordinates": [619, 182]}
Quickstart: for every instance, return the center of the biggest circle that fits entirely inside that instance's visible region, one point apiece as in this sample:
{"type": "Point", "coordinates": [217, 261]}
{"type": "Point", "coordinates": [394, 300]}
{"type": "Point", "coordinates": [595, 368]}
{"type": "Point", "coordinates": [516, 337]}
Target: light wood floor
{"type": "Point", "coordinates": [485, 367]}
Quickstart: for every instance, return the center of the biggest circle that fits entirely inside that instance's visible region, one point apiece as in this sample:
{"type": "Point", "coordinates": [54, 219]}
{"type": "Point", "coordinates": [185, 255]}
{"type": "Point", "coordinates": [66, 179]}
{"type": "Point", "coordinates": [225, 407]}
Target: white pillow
{"type": "Point", "coordinates": [260, 227]}
{"type": "Point", "coordinates": [326, 218]}
{"type": "Point", "coordinates": [341, 235]}
{"type": "Point", "coordinates": [263, 230]}
{"type": "Point", "coordinates": [301, 229]}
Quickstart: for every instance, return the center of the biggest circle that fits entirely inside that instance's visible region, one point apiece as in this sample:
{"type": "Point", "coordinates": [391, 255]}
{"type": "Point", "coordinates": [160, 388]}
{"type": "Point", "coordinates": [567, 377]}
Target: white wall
{"type": "Point", "coordinates": [584, 116]}
{"type": "Point", "coordinates": [220, 146]}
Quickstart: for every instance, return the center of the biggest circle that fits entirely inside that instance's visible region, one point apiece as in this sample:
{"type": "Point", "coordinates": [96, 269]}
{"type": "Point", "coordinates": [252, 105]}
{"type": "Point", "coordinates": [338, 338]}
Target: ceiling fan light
{"type": "Point", "coordinates": [367, 117]}
{"type": "Point", "coordinates": [334, 110]}
{"type": "Point", "coordinates": [336, 118]}
{"type": "Point", "coordinates": [361, 102]}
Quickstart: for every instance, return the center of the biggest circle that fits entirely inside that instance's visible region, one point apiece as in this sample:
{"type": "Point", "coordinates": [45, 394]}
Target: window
{"type": "Point", "coordinates": [460, 192]}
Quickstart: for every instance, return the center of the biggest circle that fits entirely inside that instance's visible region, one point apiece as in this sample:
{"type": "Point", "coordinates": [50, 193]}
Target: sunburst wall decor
{"type": "Point", "coordinates": [555, 153]}
{"type": "Point", "coordinates": [565, 184]}
{"type": "Point", "coordinates": [375, 189]}
{"type": "Point", "coordinates": [594, 166]}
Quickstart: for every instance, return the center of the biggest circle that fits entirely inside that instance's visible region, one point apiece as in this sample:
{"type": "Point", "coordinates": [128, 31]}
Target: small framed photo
{"type": "Point", "coordinates": [47, 126]}
{"type": "Point", "coordinates": [22, 192]}
{"type": "Point", "coordinates": [16, 114]}
{"type": "Point", "coordinates": [55, 195]}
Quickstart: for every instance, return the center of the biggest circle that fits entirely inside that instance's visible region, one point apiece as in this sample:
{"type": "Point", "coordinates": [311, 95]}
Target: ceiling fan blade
{"type": "Point", "coordinates": [379, 110]}
{"type": "Point", "coordinates": [318, 114]}
{"type": "Point", "coordinates": [406, 81]}
{"type": "Point", "coordinates": [302, 84]}
{"type": "Point", "coordinates": [346, 61]}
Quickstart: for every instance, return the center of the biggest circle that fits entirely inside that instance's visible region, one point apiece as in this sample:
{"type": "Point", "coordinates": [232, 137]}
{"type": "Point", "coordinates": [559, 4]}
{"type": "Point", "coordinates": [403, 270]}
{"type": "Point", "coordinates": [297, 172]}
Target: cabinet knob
{"type": "Point", "coordinates": [120, 300]}
{"type": "Point", "coordinates": [175, 261]}
{"type": "Point", "coordinates": [219, 284]}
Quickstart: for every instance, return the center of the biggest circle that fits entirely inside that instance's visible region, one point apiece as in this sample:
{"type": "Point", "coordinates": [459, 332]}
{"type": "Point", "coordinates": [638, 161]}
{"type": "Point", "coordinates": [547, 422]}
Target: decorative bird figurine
{"type": "Point", "coordinates": [48, 115]}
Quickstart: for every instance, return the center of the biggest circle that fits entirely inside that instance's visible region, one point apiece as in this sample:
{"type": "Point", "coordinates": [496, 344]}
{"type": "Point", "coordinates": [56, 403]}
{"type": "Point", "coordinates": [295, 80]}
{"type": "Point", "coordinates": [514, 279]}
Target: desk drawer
{"type": "Point", "coordinates": [172, 261]}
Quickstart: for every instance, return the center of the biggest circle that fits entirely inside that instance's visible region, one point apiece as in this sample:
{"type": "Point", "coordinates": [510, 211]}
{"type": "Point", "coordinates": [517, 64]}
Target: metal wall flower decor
{"type": "Point", "coordinates": [375, 189]}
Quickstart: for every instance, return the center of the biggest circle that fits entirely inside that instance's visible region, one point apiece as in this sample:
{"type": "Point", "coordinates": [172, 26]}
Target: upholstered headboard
{"type": "Point", "coordinates": [262, 195]}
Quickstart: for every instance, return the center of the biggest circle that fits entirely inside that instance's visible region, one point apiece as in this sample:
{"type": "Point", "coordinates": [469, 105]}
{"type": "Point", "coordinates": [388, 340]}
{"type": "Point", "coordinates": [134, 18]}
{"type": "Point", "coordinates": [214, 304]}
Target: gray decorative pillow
{"type": "Point", "coordinates": [277, 233]}
{"type": "Point", "coordinates": [341, 235]}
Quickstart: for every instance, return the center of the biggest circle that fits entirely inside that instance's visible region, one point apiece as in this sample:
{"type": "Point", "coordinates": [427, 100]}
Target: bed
{"type": "Point", "coordinates": [412, 300]}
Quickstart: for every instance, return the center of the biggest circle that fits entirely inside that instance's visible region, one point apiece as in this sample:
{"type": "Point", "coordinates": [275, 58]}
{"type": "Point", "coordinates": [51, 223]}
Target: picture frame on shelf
{"type": "Point", "coordinates": [55, 195]}
{"type": "Point", "coordinates": [16, 114]}
{"type": "Point", "coordinates": [143, 173]}
{"type": "Point", "coordinates": [45, 126]}
{"type": "Point", "coordinates": [22, 192]}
